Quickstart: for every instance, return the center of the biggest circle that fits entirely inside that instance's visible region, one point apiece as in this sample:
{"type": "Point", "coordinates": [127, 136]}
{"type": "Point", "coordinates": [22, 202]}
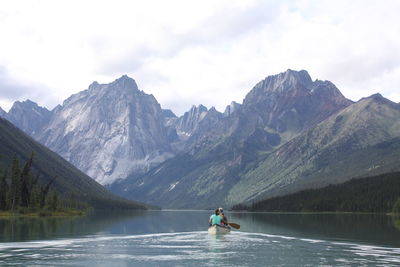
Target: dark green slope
{"type": "Point", "coordinates": [13, 142]}
{"type": "Point", "coordinates": [371, 194]}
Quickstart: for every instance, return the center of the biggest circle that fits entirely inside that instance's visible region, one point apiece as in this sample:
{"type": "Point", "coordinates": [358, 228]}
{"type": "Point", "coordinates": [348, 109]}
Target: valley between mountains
{"type": "Point", "coordinates": [290, 133]}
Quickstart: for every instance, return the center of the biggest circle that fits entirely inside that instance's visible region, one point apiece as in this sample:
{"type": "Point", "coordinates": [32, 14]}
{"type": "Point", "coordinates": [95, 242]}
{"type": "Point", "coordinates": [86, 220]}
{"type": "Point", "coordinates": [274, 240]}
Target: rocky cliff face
{"type": "Point", "coordinates": [2, 113]}
{"type": "Point", "coordinates": [28, 116]}
{"type": "Point", "coordinates": [223, 147]}
{"type": "Point", "coordinates": [232, 108]}
{"type": "Point", "coordinates": [188, 123]}
{"type": "Point", "coordinates": [109, 131]}
{"type": "Point", "coordinates": [291, 102]}
{"type": "Point", "coordinates": [284, 104]}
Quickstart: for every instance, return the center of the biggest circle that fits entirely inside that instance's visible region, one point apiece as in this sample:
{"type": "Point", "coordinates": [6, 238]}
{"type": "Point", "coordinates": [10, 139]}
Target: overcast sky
{"type": "Point", "coordinates": [195, 52]}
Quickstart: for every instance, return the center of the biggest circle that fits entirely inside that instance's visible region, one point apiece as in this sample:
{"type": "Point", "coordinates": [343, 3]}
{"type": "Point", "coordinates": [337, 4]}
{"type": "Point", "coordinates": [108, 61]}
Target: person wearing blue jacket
{"type": "Point", "coordinates": [215, 218]}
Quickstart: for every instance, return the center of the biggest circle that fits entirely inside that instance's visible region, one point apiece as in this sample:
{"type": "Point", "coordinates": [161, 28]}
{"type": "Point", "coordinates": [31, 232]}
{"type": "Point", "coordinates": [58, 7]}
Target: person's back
{"type": "Point", "coordinates": [215, 218]}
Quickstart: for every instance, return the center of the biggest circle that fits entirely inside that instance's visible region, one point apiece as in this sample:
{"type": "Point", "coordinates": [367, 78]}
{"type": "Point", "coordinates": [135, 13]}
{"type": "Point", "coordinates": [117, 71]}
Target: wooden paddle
{"type": "Point", "coordinates": [234, 225]}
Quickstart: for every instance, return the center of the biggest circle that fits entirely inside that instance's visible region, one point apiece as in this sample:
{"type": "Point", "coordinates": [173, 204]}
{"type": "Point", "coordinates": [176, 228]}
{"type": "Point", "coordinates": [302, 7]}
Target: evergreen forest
{"type": "Point", "coordinates": [21, 192]}
{"type": "Point", "coordinates": [378, 194]}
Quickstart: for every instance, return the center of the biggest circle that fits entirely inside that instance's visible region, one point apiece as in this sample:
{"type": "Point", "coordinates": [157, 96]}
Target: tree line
{"type": "Point", "coordinates": [380, 194]}
{"type": "Point", "coordinates": [20, 190]}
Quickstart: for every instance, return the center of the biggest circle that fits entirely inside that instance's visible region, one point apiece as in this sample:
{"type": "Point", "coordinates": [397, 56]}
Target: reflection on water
{"type": "Point", "coordinates": [171, 238]}
{"type": "Point", "coordinates": [369, 228]}
{"type": "Point", "coordinates": [396, 222]}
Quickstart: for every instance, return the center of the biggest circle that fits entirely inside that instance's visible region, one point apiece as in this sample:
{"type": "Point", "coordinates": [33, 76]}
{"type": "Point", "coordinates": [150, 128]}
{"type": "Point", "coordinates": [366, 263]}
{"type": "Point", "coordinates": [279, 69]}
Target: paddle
{"type": "Point", "coordinates": [234, 225]}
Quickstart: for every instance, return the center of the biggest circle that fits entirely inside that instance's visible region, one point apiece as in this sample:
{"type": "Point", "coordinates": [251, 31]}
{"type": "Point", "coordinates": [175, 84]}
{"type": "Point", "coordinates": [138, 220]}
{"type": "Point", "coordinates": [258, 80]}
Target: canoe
{"type": "Point", "coordinates": [218, 229]}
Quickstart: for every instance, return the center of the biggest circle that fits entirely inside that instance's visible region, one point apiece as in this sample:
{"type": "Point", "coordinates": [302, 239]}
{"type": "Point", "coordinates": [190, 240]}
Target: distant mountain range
{"type": "Point", "coordinates": [290, 133]}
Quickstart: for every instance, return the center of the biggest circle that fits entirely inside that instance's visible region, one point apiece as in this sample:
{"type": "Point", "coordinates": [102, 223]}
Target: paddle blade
{"type": "Point", "coordinates": [234, 225]}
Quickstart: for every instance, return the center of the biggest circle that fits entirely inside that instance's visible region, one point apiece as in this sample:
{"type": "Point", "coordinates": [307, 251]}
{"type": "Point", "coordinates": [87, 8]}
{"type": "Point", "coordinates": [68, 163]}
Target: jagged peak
{"type": "Point", "coordinates": [290, 75]}
{"type": "Point", "coordinates": [213, 109]}
{"type": "Point", "coordinates": [234, 106]}
{"type": "Point", "coordinates": [125, 79]}
{"type": "Point", "coordinates": [199, 108]}
{"type": "Point", "coordinates": [94, 85]}
{"type": "Point", "coordinates": [285, 80]}
{"type": "Point", "coordinates": [123, 82]}
{"type": "Point", "coordinates": [26, 103]}
{"type": "Point", "coordinates": [167, 113]}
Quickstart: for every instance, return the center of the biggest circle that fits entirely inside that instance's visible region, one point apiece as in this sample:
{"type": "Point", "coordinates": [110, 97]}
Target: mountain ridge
{"type": "Point", "coordinates": [207, 158]}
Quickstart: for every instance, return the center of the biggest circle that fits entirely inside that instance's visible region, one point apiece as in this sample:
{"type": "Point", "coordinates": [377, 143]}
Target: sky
{"type": "Point", "coordinates": [195, 52]}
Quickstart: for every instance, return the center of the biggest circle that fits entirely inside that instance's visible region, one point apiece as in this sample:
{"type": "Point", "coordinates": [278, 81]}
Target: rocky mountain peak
{"type": "Point", "coordinates": [109, 130]}
{"type": "Point", "coordinates": [377, 100]}
{"type": "Point", "coordinates": [286, 81]}
{"type": "Point", "coordinates": [291, 101]}
{"type": "Point", "coordinates": [94, 85]}
{"type": "Point", "coordinates": [28, 116]}
{"type": "Point", "coordinates": [376, 96]}
{"type": "Point", "coordinates": [122, 84]}
{"type": "Point", "coordinates": [125, 82]}
{"type": "Point", "coordinates": [230, 109]}
{"type": "Point", "coordinates": [187, 124]}
{"type": "Point", "coordinates": [168, 113]}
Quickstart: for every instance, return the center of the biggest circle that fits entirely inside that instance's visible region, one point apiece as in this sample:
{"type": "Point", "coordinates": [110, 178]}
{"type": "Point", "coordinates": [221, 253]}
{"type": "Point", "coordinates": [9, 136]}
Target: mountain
{"type": "Point", "coordinates": [2, 113]}
{"type": "Point", "coordinates": [291, 102]}
{"type": "Point", "coordinates": [223, 148]}
{"type": "Point", "coordinates": [28, 116]}
{"type": "Point", "coordinates": [13, 142]}
{"type": "Point", "coordinates": [233, 107]}
{"type": "Point", "coordinates": [109, 131]}
{"type": "Point", "coordinates": [290, 133]}
{"type": "Point", "coordinates": [359, 141]}
{"type": "Point", "coordinates": [187, 124]}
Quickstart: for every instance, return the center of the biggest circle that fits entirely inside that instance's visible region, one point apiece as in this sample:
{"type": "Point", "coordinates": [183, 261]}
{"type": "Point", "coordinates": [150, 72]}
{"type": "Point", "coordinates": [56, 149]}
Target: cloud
{"type": "Point", "coordinates": [12, 90]}
{"type": "Point", "coordinates": [192, 52]}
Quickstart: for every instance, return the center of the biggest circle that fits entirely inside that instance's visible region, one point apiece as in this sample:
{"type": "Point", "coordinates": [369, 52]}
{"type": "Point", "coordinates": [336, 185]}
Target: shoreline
{"type": "Point", "coordinates": [42, 214]}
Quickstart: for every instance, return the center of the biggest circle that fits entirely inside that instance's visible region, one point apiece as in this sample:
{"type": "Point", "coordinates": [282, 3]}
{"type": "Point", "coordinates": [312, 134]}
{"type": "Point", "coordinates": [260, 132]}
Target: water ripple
{"type": "Point", "coordinates": [193, 248]}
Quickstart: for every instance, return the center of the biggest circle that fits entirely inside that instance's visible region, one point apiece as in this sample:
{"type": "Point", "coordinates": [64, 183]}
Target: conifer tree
{"type": "Point", "coordinates": [15, 188]}
{"type": "Point", "coordinates": [53, 201]}
{"type": "Point", "coordinates": [44, 191]}
{"type": "Point", "coordinates": [72, 200]}
{"type": "Point", "coordinates": [26, 180]}
{"type": "Point", "coordinates": [3, 191]}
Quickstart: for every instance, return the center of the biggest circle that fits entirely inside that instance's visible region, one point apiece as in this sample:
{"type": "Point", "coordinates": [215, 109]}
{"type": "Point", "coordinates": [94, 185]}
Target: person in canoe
{"type": "Point", "coordinates": [215, 218]}
{"type": "Point", "coordinates": [224, 220]}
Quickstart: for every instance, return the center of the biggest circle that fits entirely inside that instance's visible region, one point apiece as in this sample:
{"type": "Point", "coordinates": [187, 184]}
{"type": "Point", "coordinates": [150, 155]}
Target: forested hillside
{"type": "Point", "coordinates": [372, 194]}
{"type": "Point", "coordinates": [14, 144]}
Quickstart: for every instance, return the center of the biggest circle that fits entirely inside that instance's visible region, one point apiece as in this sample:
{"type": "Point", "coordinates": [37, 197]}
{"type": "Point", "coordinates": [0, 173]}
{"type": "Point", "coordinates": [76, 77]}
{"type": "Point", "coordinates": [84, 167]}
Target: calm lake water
{"type": "Point", "coordinates": [179, 238]}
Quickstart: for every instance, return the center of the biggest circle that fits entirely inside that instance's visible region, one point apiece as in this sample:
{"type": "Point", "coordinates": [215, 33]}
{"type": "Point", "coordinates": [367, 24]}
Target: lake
{"type": "Point", "coordinates": [180, 238]}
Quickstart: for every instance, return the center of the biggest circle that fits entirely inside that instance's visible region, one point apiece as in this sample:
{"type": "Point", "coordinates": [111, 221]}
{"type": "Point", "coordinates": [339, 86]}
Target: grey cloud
{"type": "Point", "coordinates": [220, 28]}
{"type": "Point", "coordinates": [230, 23]}
{"type": "Point", "coordinates": [129, 62]}
{"type": "Point", "coordinates": [11, 90]}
